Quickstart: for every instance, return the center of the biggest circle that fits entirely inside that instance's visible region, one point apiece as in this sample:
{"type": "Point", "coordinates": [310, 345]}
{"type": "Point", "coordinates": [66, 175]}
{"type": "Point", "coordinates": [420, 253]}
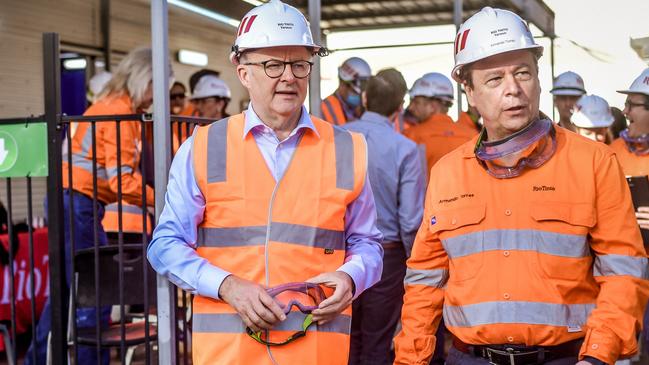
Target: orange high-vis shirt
{"type": "Point", "coordinates": [466, 121]}
{"type": "Point", "coordinates": [131, 219]}
{"type": "Point", "coordinates": [439, 135]}
{"type": "Point", "coordinates": [106, 146]}
{"type": "Point", "coordinates": [632, 164]}
{"type": "Point", "coordinates": [332, 110]}
{"type": "Point", "coordinates": [547, 257]}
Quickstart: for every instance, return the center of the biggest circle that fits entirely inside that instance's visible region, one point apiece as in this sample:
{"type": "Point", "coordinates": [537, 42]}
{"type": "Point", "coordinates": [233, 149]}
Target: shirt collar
{"type": "Point", "coordinates": [373, 117]}
{"type": "Point", "coordinates": [253, 121]}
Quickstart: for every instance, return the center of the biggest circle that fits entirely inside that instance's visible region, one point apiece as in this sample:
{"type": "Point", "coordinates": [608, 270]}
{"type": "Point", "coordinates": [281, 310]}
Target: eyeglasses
{"type": "Point", "coordinates": [306, 297]}
{"type": "Point", "coordinates": [275, 68]}
{"type": "Point", "coordinates": [177, 96]}
{"type": "Point", "coordinates": [631, 105]}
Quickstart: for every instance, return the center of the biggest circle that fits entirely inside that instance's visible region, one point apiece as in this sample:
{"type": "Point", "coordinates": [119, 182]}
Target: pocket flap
{"type": "Point", "coordinates": [450, 219]}
{"type": "Point", "coordinates": [580, 214]}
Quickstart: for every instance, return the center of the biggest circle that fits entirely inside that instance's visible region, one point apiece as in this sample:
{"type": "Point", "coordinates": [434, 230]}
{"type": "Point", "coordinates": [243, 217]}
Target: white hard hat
{"type": "Point", "coordinates": [210, 85]}
{"type": "Point", "coordinates": [568, 83]}
{"type": "Point", "coordinates": [640, 85]}
{"type": "Point", "coordinates": [433, 87]}
{"type": "Point", "coordinates": [97, 82]}
{"type": "Point", "coordinates": [354, 71]}
{"type": "Point", "coordinates": [592, 111]}
{"type": "Point", "coordinates": [490, 32]}
{"type": "Point", "coordinates": [273, 24]}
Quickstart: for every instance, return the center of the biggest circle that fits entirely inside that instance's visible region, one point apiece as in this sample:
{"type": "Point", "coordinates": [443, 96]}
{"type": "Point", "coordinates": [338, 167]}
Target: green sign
{"type": "Point", "coordinates": [23, 150]}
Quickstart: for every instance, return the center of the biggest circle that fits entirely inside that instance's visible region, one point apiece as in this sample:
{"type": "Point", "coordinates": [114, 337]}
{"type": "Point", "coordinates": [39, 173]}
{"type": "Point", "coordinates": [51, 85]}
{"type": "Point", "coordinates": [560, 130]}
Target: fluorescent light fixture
{"type": "Point", "coordinates": [206, 13]}
{"type": "Point", "coordinates": [192, 58]}
{"type": "Point", "coordinates": [254, 2]}
{"type": "Point", "coordinates": [75, 64]}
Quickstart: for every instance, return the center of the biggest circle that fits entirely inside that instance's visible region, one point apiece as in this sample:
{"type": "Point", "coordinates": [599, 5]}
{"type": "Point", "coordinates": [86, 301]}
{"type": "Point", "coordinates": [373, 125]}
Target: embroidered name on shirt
{"type": "Point", "coordinates": [543, 188]}
{"type": "Point", "coordinates": [450, 200]}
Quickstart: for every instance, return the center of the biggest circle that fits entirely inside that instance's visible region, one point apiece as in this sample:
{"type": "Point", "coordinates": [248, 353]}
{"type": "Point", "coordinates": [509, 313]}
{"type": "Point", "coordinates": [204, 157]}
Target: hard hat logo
{"type": "Point", "coordinates": [646, 80]}
{"type": "Point", "coordinates": [285, 26]}
{"type": "Point", "coordinates": [462, 43]}
{"type": "Point", "coordinates": [245, 25]}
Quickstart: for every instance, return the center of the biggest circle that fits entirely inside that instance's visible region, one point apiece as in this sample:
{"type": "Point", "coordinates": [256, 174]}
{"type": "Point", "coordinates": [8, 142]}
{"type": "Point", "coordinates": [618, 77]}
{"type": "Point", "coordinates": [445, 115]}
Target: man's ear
{"type": "Point", "coordinates": [243, 72]}
{"type": "Point", "coordinates": [469, 94]}
{"type": "Point", "coordinates": [364, 99]}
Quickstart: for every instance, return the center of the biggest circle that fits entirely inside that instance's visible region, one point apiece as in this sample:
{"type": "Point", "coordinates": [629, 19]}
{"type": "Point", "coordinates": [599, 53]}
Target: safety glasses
{"type": "Point", "coordinates": [637, 145]}
{"type": "Point", "coordinates": [530, 147]}
{"type": "Point", "coordinates": [306, 297]}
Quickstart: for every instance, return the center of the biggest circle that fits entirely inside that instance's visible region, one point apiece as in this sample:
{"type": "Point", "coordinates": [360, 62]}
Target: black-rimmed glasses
{"type": "Point", "coordinates": [275, 68]}
{"type": "Point", "coordinates": [631, 105]}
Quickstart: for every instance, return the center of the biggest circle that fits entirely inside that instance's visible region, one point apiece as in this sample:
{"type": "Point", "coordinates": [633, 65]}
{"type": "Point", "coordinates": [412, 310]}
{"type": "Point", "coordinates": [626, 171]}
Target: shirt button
{"type": "Point", "coordinates": [594, 346]}
{"type": "Point", "coordinates": [453, 221]}
{"type": "Point", "coordinates": [510, 339]}
{"type": "Point", "coordinates": [508, 212]}
{"type": "Point", "coordinates": [506, 253]}
{"type": "Point", "coordinates": [506, 296]}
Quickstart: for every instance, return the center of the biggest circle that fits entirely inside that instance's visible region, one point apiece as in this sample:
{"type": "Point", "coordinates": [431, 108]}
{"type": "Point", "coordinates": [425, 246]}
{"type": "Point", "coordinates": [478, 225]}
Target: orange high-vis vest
{"type": "Point", "coordinates": [272, 233]}
{"type": "Point", "coordinates": [632, 164]}
{"type": "Point", "coordinates": [131, 219]}
{"type": "Point", "coordinates": [106, 147]}
{"type": "Point", "coordinates": [541, 259]}
{"type": "Point", "coordinates": [332, 110]}
{"type": "Point", "coordinates": [181, 131]}
{"type": "Point", "coordinates": [440, 135]}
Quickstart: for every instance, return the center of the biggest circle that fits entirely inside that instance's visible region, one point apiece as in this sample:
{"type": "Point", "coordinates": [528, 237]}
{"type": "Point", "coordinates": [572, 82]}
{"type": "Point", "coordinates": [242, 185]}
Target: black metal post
{"type": "Point", "coordinates": [58, 287]}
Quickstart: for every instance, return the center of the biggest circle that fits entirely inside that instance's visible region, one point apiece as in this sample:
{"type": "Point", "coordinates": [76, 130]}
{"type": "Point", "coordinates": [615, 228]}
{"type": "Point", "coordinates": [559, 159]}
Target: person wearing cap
{"type": "Point", "coordinates": [430, 98]}
{"type": "Point", "coordinates": [344, 105]}
{"type": "Point", "coordinates": [566, 90]}
{"type": "Point", "coordinates": [211, 97]}
{"type": "Point", "coordinates": [525, 246]}
{"type": "Point", "coordinates": [265, 198]}
{"type": "Point", "coordinates": [592, 117]}
{"type": "Point", "coordinates": [396, 172]}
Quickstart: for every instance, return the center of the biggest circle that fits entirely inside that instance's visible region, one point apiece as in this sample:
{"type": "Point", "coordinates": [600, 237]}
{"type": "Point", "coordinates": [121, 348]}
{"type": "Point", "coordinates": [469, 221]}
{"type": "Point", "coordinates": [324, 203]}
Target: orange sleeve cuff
{"type": "Point", "coordinates": [601, 344]}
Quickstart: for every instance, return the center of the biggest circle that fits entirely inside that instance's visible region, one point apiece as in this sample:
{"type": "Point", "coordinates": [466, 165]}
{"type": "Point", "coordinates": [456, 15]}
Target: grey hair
{"type": "Point", "coordinates": [133, 76]}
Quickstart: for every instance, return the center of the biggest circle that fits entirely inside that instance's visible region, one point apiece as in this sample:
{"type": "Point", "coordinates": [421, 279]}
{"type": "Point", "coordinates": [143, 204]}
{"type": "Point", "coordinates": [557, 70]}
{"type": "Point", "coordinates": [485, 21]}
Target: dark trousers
{"type": "Point", "coordinates": [376, 312]}
{"type": "Point", "coordinates": [456, 357]}
{"type": "Point", "coordinates": [83, 238]}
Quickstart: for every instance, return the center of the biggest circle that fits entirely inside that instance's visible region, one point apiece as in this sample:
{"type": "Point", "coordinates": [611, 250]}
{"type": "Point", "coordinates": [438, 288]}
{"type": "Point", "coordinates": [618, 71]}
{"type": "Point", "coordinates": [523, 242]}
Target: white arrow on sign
{"type": "Point", "coordinates": [3, 151]}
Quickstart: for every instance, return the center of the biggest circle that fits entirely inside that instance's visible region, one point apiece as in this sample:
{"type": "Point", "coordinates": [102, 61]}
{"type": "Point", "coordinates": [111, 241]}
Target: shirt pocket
{"type": "Point", "coordinates": [561, 238]}
{"type": "Point", "coordinates": [463, 240]}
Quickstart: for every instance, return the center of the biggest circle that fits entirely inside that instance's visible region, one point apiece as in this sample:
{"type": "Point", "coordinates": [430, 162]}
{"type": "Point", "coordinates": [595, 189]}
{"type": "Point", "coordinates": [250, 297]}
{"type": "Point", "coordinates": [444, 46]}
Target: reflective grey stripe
{"type": "Point", "coordinates": [280, 232]}
{"type": "Point", "coordinates": [126, 208]}
{"type": "Point", "coordinates": [549, 314]}
{"type": "Point", "coordinates": [331, 111]}
{"type": "Point", "coordinates": [551, 243]}
{"type": "Point", "coordinates": [613, 265]}
{"type": "Point", "coordinates": [112, 171]}
{"type": "Point", "coordinates": [344, 159]}
{"type": "Point", "coordinates": [425, 277]}
{"type": "Point", "coordinates": [217, 151]}
{"type": "Point", "coordinates": [232, 323]}
{"type": "Point", "coordinates": [85, 164]}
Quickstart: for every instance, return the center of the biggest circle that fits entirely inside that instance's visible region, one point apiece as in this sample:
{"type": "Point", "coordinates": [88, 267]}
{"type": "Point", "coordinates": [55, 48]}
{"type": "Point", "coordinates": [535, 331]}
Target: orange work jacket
{"type": "Point", "coordinates": [632, 164]}
{"type": "Point", "coordinates": [467, 122]}
{"type": "Point", "coordinates": [332, 110]}
{"type": "Point", "coordinates": [181, 131]}
{"type": "Point", "coordinates": [547, 257]}
{"type": "Point", "coordinates": [439, 135]}
{"type": "Point", "coordinates": [106, 146]}
{"type": "Point", "coordinates": [273, 233]}
{"type": "Point", "coordinates": [131, 219]}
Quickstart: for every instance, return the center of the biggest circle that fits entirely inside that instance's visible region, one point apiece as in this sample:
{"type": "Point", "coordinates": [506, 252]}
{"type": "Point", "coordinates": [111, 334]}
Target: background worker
{"type": "Point", "coordinates": [525, 245]}
{"type": "Point", "coordinates": [592, 117]}
{"type": "Point", "coordinates": [280, 197]}
{"type": "Point", "coordinates": [566, 90]}
{"type": "Point", "coordinates": [211, 97]}
{"type": "Point", "coordinates": [436, 132]}
{"type": "Point", "coordinates": [344, 105]}
{"type": "Point", "coordinates": [395, 170]}
{"type": "Point", "coordinates": [177, 98]}
{"type": "Point", "coordinates": [127, 92]}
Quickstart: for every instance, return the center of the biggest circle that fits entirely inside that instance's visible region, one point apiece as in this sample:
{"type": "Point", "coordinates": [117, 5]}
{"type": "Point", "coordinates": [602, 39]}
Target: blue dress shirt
{"type": "Point", "coordinates": [172, 252]}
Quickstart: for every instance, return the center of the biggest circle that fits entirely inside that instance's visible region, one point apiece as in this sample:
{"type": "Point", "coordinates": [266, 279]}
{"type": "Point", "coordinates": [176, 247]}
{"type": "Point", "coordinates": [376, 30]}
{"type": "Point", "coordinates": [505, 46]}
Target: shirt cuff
{"type": "Point", "coordinates": [210, 280]}
{"type": "Point", "coordinates": [601, 344]}
{"type": "Point", "coordinates": [357, 276]}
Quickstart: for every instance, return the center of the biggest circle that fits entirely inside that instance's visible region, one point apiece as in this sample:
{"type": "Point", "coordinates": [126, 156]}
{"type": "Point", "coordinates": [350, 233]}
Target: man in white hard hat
{"type": "Point", "coordinates": [592, 117]}
{"type": "Point", "coordinates": [344, 105]}
{"type": "Point", "coordinates": [566, 90]}
{"type": "Point", "coordinates": [525, 246]}
{"type": "Point", "coordinates": [269, 217]}
{"type": "Point", "coordinates": [211, 97]}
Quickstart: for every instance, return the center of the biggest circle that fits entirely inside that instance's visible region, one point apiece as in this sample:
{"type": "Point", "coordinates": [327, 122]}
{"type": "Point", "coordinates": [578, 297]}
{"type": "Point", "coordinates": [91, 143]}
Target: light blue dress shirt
{"type": "Point", "coordinates": [396, 173]}
{"type": "Point", "coordinates": [172, 252]}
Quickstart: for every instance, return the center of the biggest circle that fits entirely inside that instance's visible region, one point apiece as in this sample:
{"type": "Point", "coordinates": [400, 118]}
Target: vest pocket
{"type": "Point", "coordinates": [462, 238]}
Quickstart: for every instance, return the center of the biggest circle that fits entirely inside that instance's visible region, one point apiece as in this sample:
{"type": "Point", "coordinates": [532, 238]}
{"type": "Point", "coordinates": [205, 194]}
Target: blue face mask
{"type": "Point", "coordinates": [353, 100]}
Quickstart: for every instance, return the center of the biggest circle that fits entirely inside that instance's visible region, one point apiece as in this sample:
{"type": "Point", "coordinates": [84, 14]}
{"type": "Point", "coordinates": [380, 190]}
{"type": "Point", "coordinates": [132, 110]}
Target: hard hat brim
{"type": "Point", "coordinates": [580, 120]}
{"type": "Point", "coordinates": [567, 92]}
{"type": "Point", "coordinates": [627, 92]}
{"type": "Point", "coordinates": [234, 56]}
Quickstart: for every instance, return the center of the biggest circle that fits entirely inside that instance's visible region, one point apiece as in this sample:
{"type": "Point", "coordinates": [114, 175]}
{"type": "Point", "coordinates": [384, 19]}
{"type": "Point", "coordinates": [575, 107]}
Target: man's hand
{"type": "Point", "coordinates": [643, 217]}
{"type": "Point", "coordinates": [338, 301]}
{"type": "Point", "coordinates": [257, 309]}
